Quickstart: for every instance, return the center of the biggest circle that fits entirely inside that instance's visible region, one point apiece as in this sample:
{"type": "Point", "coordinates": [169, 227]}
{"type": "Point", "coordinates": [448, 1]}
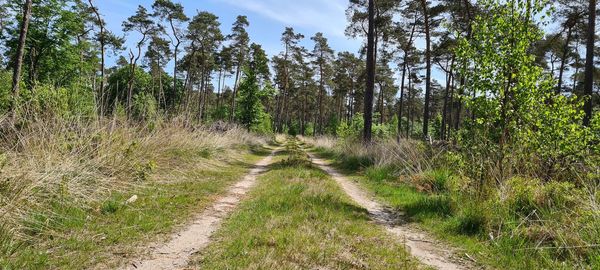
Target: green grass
{"type": "Point", "coordinates": [437, 212]}
{"type": "Point", "coordinates": [67, 236]}
{"type": "Point", "coordinates": [298, 218]}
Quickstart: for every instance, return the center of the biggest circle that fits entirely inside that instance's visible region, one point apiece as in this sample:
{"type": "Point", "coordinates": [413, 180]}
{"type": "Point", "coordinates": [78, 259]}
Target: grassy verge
{"type": "Point", "coordinates": [298, 218]}
{"type": "Point", "coordinates": [171, 178]}
{"type": "Point", "coordinates": [454, 216]}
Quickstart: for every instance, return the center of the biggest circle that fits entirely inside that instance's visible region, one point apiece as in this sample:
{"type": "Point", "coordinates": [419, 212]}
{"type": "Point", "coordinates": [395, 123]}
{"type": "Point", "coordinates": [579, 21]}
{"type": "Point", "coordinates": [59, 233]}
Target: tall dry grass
{"type": "Point", "coordinates": [409, 156]}
{"type": "Point", "coordinates": [84, 162]}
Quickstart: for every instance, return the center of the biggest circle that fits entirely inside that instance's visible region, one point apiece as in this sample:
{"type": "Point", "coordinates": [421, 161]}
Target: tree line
{"type": "Point", "coordinates": [416, 82]}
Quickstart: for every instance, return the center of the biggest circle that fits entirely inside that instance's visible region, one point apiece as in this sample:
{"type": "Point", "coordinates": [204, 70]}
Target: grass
{"type": "Point", "coordinates": [436, 211]}
{"type": "Point", "coordinates": [173, 176]}
{"type": "Point", "coordinates": [108, 233]}
{"type": "Point", "coordinates": [298, 218]}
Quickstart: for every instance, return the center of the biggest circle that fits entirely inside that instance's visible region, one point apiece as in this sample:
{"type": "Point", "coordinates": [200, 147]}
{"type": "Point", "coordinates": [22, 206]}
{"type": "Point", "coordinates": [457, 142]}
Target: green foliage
{"type": "Point", "coordinates": [5, 90]}
{"type": "Point", "coordinates": [351, 130]}
{"type": "Point", "coordinates": [145, 107]}
{"type": "Point", "coordinates": [250, 109]}
{"type": "Point", "coordinates": [49, 101]}
{"type": "Point", "coordinates": [520, 124]}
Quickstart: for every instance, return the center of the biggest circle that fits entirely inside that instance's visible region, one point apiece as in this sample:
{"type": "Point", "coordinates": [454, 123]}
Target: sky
{"type": "Point", "coordinates": [268, 19]}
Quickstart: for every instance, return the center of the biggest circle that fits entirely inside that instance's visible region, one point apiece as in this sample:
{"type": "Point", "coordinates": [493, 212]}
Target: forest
{"type": "Point", "coordinates": [472, 124]}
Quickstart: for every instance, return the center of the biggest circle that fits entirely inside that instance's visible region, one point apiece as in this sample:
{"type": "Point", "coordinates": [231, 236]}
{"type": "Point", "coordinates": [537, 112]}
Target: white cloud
{"type": "Point", "coordinates": [327, 16]}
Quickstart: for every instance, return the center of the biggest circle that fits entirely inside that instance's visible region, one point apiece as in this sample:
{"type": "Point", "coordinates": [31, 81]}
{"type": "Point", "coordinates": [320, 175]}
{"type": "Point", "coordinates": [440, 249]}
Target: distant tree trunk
{"type": "Point", "coordinates": [133, 62]}
{"type": "Point", "coordinates": [380, 104]}
{"type": "Point", "coordinates": [428, 72]}
{"type": "Point", "coordinates": [102, 41]}
{"type": "Point", "coordinates": [219, 89]}
{"type": "Point", "coordinates": [19, 57]}
{"type": "Point", "coordinates": [563, 60]}
{"type": "Point", "coordinates": [401, 99]}
{"type": "Point", "coordinates": [409, 116]}
{"type": "Point", "coordinates": [589, 64]}
{"type": "Point", "coordinates": [321, 93]}
{"type": "Point", "coordinates": [235, 86]}
{"type": "Point", "coordinates": [463, 79]}
{"type": "Point", "coordinates": [370, 84]}
{"type": "Point", "coordinates": [449, 79]}
{"type": "Point", "coordinates": [175, 54]}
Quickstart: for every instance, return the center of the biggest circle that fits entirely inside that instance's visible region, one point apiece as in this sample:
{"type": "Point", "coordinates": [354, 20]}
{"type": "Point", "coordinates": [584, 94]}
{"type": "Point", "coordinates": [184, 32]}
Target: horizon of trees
{"type": "Point", "coordinates": [63, 44]}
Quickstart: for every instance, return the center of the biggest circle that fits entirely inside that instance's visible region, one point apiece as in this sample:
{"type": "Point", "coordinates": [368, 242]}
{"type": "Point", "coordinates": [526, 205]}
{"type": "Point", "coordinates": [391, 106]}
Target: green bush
{"type": "Point", "coordinates": [145, 107]}
{"type": "Point", "coordinates": [5, 91]}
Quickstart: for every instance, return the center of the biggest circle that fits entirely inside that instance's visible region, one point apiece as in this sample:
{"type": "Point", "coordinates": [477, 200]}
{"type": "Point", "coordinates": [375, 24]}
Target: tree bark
{"type": "Point", "coordinates": [16, 79]}
{"type": "Point", "coordinates": [370, 84]}
{"type": "Point", "coordinates": [589, 65]}
{"type": "Point", "coordinates": [428, 72]}
{"type": "Point", "coordinates": [563, 60]}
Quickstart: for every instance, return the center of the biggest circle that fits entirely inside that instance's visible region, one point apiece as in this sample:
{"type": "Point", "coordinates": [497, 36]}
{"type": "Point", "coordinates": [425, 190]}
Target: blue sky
{"type": "Point", "coordinates": [268, 18]}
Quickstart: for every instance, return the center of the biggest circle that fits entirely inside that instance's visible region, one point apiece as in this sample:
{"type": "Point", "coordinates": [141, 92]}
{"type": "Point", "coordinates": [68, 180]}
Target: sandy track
{"type": "Point", "coordinates": [419, 244]}
{"type": "Point", "coordinates": [176, 253]}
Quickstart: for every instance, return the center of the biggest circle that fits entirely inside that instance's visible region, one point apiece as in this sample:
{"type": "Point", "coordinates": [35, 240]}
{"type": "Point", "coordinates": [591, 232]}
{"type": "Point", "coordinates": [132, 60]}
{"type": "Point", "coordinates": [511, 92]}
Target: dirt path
{"type": "Point", "coordinates": [419, 244]}
{"type": "Point", "coordinates": [196, 236]}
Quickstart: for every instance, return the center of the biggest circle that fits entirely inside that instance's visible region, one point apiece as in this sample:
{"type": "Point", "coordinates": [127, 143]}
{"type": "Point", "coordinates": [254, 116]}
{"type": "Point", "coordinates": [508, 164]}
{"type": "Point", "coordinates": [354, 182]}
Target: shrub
{"type": "Point", "coordinates": [145, 107]}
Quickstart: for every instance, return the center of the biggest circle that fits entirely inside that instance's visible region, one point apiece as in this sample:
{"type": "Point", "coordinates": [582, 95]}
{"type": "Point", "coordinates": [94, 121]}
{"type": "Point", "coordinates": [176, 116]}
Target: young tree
{"type": "Point", "coordinates": [251, 111]}
{"type": "Point", "coordinates": [16, 79]}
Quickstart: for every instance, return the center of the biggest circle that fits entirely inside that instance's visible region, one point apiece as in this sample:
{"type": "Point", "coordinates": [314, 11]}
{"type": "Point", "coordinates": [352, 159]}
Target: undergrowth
{"type": "Point", "coordinates": [521, 223]}
{"type": "Point", "coordinates": [64, 180]}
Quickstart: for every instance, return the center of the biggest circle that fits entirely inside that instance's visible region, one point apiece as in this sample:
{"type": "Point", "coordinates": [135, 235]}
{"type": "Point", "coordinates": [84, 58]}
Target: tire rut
{"type": "Point", "coordinates": [176, 253]}
{"type": "Point", "coordinates": [420, 245]}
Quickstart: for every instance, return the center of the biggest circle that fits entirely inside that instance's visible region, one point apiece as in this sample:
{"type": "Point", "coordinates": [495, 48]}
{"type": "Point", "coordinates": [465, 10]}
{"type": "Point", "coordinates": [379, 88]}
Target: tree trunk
{"type": "Point", "coordinates": [16, 79]}
{"type": "Point", "coordinates": [449, 79]}
{"type": "Point", "coordinates": [401, 99]}
{"type": "Point", "coordinates": [102, 58]}
{"type": "Point", "coordinates": [563, 60]}
{"type": "Point", "coordinates": [234, 94]}
{"type": "Point", "coordinates": [321, 90]}
{"type": "Point", "coordinates": [409, 104]}
{"type": "Point", "coordinates": [589, 65]}
{"type": "Point", "coordinates": [175, 54]}
{"type": "Point", "coordinates": [370, 84]}
{"type": "Point", "coordinates": [428, 72]}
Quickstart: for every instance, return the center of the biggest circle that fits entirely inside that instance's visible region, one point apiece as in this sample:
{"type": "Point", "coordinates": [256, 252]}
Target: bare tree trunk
{"type": "Point", "coordinates": [409, 104]}
{"type": "Point", "coordinates": [175, 54]}
{"type": "Point", "coordinates": [370, 84]}
{"type": "Point", "coordinates": [449, 79]}
{"type": "Point", "coordinates": [102, 40]}
{"type": "Point", "coordinates": [563, 60]}
{"type": "Point", "coordinates": [16, 79]}
{"type": "Point", "coordinates": [428, 72]}
{"type": "Point", "coordinates": [589, 65]}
